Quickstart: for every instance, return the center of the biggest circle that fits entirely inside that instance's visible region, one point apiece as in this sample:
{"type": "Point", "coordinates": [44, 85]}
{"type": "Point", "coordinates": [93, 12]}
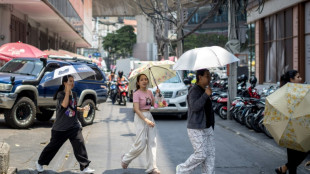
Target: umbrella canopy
{"type": "Point", "coordinates": [287, 116]}
{"type": "Point", "coordinates": [5, 58]}
{"type": "Point", "coordinates": [205, 57]}
{"type": "Point", "coordinates": [18, 49]}
{"type": "Point", "coordinates": [79, 72]}
{"type": "Point", "coordinates": [156, 71]}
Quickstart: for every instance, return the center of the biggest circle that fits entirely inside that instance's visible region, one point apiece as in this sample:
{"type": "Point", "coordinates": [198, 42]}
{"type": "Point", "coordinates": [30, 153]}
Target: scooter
{"type": "Point", "coordinates": [113, 91]}
{"type": "Point", "coordinates": [122, 94]}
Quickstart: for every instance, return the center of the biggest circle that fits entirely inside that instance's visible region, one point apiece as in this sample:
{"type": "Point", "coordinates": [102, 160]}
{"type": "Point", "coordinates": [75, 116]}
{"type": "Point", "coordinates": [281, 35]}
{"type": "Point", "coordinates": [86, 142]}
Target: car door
{"type": "Point", "coordinates": [46, 93]}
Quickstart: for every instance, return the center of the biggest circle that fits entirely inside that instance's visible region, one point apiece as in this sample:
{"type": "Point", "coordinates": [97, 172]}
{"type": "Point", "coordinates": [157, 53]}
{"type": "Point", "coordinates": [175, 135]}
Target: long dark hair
{"type": "Point", "coordinates": [138, 79]}
{"type": "Point", "coordinates": [62, 86]}
{"type": "Point", "coordinates": [286, 77]}
{"type": "Point", "coordinates": [200, 72]}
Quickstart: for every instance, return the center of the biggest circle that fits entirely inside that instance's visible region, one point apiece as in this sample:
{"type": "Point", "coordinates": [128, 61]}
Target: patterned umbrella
{"type": "Point", "coordinates": [287, 116]}
{"type": "Point", "coordinates": [156, 71]}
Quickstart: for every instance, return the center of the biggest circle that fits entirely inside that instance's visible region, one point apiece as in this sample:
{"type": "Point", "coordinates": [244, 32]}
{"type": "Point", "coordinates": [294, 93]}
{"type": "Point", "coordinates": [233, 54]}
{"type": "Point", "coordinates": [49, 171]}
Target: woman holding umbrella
{"type": "Point", "coordinates": [200, 126]}
{"type": "Point", "coordinates": [66, 126]}
{"type": "Point", "coordinates": [294, 157]}
{"type": "Point", "coordinates": [143, 99]}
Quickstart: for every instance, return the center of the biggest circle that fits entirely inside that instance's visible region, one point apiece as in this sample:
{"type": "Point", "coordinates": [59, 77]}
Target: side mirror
{"type": "Point", "coordinates": [44, 60]}
{"type": "Point", "coordinates": [12, 79]}
{"type": "Point", "coordinates": [186, 81]}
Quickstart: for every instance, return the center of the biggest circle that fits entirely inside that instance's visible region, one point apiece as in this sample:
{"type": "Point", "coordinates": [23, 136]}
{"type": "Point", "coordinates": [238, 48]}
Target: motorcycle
{"type": "Point", "coordinates": [122, 93]}
{"type": "Point", "coordinates": [112, 91]}
{"type": "Point", "coordinates": [221, 106]}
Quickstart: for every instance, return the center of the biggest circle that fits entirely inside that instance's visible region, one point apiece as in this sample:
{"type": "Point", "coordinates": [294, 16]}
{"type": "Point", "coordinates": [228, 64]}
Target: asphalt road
{"type": "Point", "coordinates": [238, 149]}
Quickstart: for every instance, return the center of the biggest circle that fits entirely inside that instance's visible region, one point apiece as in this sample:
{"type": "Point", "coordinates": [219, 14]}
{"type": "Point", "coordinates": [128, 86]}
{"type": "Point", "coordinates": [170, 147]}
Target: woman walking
{"type": "Point", "coordinates": [145, 125]}
{"type": "Point", "coordinates": [66, 127]}
{"type": "Point", "coordinates": [200, 126]}
{"type": "Point", "coordinates": [294, 157]}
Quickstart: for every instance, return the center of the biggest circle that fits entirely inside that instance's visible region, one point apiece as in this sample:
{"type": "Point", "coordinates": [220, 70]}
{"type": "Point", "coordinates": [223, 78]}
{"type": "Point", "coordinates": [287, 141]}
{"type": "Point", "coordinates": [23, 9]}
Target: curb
{"type": "Point", "coordinates": [256, 141]}
{"type": "Point", "coordinates": [12, 170]}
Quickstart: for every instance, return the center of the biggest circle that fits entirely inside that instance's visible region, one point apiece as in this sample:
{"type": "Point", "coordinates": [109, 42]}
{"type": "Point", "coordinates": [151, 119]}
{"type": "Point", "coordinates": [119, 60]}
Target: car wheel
{"type": "Point", "coordinates": [46, 115]}
{"type": "Point", "coordinates": [22, 115]}
{"type": "Point", "coordinates": [91, 114]}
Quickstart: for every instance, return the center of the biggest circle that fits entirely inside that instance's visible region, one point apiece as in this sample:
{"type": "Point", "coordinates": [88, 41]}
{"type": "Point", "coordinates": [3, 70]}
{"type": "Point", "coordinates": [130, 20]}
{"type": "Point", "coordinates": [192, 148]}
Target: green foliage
{"type": "Point", "coordinates": [121, 42]}
{"type": "Point", "coordinates": [204, 40]}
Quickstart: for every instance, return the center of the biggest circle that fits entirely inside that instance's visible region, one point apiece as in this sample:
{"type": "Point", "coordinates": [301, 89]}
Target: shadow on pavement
{"type": "Point", "coordinates": [127, 171]}
{"type": "Point", "coordinates": [167, 117]}
{"type": "Point", "coordinates": [44, 172]}
{"type": "Point", "coordinates": [128, 111]}
{"type": "Point", "coordinates": [37, 124]}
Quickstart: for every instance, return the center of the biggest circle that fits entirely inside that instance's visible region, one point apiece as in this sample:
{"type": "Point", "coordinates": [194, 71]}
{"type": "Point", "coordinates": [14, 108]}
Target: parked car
{"type": "Point", "coordinates": [23, 99]}
{"type": "Point", "coordinates": [175, 92]}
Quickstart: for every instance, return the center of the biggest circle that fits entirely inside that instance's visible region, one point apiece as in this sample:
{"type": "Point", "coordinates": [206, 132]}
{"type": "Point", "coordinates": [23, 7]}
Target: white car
{"type": "Point", "coordinates": [175, 93]}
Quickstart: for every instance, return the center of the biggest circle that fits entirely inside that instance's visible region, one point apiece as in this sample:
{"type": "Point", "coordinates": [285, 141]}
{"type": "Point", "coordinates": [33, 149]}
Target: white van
{"type": "Point", "coordinates": [175, 93]}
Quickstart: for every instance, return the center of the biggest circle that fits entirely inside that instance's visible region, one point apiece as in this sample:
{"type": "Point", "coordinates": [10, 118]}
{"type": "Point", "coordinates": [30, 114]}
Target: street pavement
{"type": "Point", "coordinates": [238, 149]}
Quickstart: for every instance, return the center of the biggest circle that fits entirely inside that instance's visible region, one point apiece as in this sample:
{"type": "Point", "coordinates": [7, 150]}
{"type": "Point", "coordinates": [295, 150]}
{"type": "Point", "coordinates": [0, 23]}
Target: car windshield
{"type": "Point", "coordinates": [174, 79]}
{"type": "Point", "coordinates": [22, 66]}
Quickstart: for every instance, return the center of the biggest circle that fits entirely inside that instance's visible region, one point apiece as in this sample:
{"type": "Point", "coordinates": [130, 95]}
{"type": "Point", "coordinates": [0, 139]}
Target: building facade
{"type": "Point", "coordinates": [47, 24]}
{"type": "Point", "coordinates": [280, 37]}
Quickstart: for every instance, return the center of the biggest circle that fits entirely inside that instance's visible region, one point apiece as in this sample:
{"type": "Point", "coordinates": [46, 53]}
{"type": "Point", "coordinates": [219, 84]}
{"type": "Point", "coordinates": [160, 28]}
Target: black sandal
{"type": "Point", "coordinates": [279, 170]}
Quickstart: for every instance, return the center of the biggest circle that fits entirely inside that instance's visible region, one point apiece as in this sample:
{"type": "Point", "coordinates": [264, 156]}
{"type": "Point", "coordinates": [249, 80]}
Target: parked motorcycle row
{"type": "Point", "coordinates": [247, 108]}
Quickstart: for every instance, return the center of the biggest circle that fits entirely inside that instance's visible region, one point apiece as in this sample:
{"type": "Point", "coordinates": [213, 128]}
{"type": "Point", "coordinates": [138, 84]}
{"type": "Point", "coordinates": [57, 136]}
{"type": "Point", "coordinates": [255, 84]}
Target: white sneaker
{"type": "Point", "coordinates": [88, 170]}
{"type": "Point", "coordinates": [39, 167]}
{"type": "Point", "coordinates": [177, 169]}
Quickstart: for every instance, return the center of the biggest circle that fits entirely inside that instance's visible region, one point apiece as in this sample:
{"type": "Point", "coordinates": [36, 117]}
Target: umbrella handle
{"type": "Point", "coordinates": [155, 81]}
{"type": "Point", "coordinates": [153, 77]}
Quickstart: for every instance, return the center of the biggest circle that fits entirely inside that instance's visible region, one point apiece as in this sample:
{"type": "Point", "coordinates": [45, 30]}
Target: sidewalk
{"type": "Point", "coordinates": [238, 149]}
{"type": "Point", "coordinates": [260, 139]}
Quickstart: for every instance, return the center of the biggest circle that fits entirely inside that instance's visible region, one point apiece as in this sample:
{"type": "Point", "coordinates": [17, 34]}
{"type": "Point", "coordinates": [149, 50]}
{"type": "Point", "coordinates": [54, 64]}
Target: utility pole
{"type": "Point", "coordinates": [179, 51]}
{"type": "Point", "coordinates": [179, 32]}
{"type": "Point", "coordinates": [166, 24]}
{"type": "Point", "coordinates": [233, 45]}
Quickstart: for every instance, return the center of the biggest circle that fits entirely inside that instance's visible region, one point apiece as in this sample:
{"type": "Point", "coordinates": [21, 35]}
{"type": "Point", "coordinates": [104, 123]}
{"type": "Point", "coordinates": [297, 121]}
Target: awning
{"type": "Point", "coordinates": [63, 54]}
{"type": "Point", "coordinates": [45, 14]}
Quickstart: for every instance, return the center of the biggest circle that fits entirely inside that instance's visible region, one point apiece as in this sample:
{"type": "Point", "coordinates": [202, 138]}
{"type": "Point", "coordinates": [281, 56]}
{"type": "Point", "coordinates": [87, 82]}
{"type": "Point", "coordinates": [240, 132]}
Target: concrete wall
{"type": "Point", "coordinates": [145, 48]}
{"type": "Point", "coordinates": [145, 51]}
{"type": "Point", "coordinates": [5, 18]}
{"type": "Point", "coordinates": [87, 19]}
{"type": "Point", "coordinates": [145, 30]}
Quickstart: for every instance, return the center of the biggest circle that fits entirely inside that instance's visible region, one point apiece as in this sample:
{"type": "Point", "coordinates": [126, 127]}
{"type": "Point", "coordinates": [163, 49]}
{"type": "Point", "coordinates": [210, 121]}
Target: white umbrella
{"type": "Point", "coordinates": [205, 57]}
{"type": "Point", "coordinates": [79, 72]}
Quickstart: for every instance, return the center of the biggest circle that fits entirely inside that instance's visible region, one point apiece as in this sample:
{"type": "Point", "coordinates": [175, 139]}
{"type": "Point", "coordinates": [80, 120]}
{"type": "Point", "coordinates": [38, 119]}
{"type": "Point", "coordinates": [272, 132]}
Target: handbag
{"type": "Point", "coordinates": [160, 101]}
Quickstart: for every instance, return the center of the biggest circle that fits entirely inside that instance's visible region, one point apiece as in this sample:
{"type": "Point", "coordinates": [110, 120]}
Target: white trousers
{"type": "Point", "coordinates": [145, 137]}
{"type": "Point", "coordinates": [204, 152]}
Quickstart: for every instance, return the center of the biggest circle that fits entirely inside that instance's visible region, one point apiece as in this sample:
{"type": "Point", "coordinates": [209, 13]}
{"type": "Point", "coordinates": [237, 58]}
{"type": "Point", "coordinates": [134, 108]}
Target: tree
{"type": "Point", "coordinates": [121, 42]}
{"type": "Point", "coordinates": [166, 13]}
{"type": "Point", "coordinates": [203, 40]}
{"type": "Point", "coordinates": [126, 39]}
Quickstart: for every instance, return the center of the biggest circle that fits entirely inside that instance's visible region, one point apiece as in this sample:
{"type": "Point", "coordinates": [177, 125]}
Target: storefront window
{"type": "Point", "coordinates": [251, 46]}
{"type": "Point", "coordinates": [278, 45]}
{"type": "Point", "coordinates": [307, 44]}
